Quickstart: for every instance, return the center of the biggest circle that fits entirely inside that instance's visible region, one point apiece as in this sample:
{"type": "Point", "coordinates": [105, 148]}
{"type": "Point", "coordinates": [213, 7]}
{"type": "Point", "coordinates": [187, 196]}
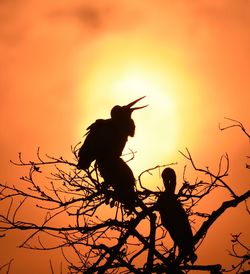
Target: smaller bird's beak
{"type": "Point", "coordinates": [129, 106]}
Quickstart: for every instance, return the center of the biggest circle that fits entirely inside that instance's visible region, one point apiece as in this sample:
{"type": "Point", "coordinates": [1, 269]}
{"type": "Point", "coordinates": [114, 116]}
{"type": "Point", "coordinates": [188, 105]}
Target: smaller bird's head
{"type": "Point", "coordinates": [124, 112]}
{"type": "Point", "coordinates": [169, 178]}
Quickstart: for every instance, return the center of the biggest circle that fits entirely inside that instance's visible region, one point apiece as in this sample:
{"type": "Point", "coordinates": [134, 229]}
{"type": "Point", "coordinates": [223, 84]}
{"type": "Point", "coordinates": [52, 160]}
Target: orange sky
{"type": "Point", "coordinates": [66, 63]}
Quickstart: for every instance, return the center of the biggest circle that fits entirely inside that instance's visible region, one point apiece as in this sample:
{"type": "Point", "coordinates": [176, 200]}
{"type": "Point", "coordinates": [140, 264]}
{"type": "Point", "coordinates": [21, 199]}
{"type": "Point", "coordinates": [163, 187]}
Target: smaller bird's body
{"type": "Point", "coordinates": [175, 220]}
{"type": "Point", "coordinates": [174, 217]}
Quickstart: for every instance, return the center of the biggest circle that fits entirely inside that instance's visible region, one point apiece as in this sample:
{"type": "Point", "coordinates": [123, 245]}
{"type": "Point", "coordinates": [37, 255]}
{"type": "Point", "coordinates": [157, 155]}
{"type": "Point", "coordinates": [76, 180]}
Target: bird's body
{"type": "Point", "coordinates": [104, 143]}
{"type": "Point", "coordinates": [104, 139]}
{"type": "Point", "coordinates": [174, 217]}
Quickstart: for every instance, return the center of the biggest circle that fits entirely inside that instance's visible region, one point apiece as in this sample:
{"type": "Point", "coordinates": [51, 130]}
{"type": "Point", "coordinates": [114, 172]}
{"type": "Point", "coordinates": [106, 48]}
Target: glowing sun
{"type": "Point", "coordinates": [117, 79]}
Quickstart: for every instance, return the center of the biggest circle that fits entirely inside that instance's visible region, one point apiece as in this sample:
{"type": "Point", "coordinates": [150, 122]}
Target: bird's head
{"type": "Point", "coordinates": [169, 178]}
{"type": "Point", "coordinates": [124, 112]}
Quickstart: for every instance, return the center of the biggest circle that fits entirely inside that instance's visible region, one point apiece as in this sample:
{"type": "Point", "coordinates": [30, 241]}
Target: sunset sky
{"type": "Point", "coordinates": [63, 64]}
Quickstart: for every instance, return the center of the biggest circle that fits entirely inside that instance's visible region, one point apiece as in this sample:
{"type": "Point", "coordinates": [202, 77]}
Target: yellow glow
{"type": "Point", "coordinates": [152, 140]}
{"type": "Point", "coordinates": [140, 82]}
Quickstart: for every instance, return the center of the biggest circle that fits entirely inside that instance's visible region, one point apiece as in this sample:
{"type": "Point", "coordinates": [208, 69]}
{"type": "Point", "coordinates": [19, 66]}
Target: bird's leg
{"type": "Point", "coordinates": [104, 189]}
{"type": "Point", "coordinates": [171, 256]}
{"type": "Point", "coordinates": [112, 202]}
{"type": "Point", "coordinates": [116, 213]}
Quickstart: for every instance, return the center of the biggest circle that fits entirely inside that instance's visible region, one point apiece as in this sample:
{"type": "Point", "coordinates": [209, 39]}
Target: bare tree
{"type": "Point", "coordinates": [77, 216]}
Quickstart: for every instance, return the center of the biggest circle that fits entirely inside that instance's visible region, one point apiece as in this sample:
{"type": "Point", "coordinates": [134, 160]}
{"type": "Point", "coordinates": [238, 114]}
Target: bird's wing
{"type": "Point", "coordinates": [88, 151]}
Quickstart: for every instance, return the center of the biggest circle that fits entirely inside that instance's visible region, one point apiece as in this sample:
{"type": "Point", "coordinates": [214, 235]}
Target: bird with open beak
{"type": "Point", "coordinates": [107, 138]}
{"type": "Point", "coordinates": [104, 143]}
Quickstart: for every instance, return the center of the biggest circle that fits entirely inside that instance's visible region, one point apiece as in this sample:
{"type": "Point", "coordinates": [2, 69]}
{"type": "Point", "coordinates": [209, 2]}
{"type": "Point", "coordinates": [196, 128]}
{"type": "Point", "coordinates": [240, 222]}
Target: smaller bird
{"type": "Point", "coordinates": [174, 217]}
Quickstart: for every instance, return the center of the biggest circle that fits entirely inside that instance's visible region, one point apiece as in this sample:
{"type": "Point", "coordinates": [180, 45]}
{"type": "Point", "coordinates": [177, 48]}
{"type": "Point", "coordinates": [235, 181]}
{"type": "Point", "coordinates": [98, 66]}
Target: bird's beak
{"type": "Point", "coordinates": [129, 106]}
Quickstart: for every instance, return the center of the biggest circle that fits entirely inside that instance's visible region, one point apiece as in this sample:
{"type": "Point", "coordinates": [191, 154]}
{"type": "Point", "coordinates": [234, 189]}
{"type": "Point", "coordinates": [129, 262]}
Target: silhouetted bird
{"type": "Point", "coordinates": [104, 143]}
{"type": "Point", "coordinates": [174, 217]}
{"type": "Point", "coordinates": [107, 138]}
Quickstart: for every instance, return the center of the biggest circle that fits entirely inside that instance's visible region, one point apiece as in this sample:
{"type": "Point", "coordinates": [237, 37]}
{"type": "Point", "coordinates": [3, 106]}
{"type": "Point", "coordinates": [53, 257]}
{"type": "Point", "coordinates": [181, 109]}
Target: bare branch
{"type": "Point", "coordinates": [236, 124]}
{"type": "Point", "coordinates": [73, 201]}
{"type": "Point", "coordinates": [219, 175]}
{"type": "Point", "coordinates": [217, 213]}
{"type": "Point", "coordinates": [7, 265]}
